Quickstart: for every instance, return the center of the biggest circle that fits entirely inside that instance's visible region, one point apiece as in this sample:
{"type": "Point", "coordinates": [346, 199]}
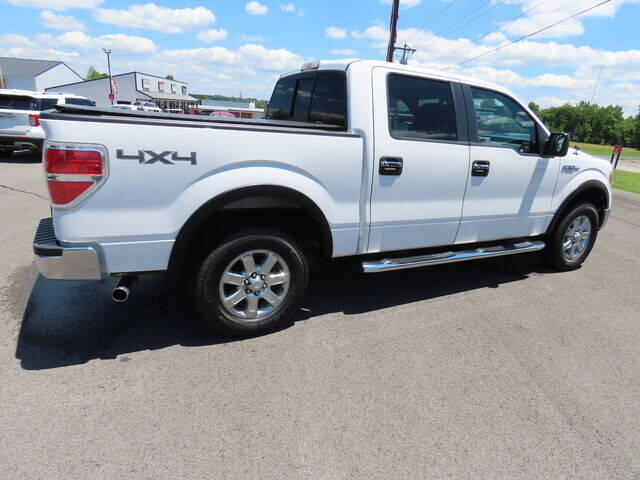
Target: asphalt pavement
{"type": "Point", "coordinates": [494, 369]}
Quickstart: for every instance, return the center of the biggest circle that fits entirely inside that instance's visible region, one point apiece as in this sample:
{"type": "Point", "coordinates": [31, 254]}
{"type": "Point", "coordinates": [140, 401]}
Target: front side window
{"type": "Point", "coordinates": [420, 108]}
{"type": "Point", "coordinates": [502, 122]}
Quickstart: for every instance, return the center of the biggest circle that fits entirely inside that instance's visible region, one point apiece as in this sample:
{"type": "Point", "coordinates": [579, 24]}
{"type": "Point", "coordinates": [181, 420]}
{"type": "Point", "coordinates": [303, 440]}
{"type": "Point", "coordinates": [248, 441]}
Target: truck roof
{"type": "Point", "coordinates": [31, 93]}
{"type": "Point", "coordinates": [344, 64]}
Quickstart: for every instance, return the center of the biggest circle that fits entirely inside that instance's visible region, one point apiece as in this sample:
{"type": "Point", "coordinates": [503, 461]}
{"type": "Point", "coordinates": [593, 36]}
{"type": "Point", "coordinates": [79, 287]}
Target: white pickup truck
{"type": "Point", "coordinates": [400, 166]}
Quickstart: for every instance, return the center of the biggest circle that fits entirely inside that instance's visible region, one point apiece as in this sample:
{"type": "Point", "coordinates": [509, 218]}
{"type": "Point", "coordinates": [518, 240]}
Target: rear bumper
{"type": "Point", "coordinates": [18, 143]}
{"type": "Point", "coordinates": [57, 262]}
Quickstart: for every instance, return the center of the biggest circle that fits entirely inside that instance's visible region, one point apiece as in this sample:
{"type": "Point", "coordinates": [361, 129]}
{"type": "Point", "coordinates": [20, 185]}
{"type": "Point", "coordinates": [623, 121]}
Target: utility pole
{"type": "Point", "coordinates": [393, 30]}
{"type": "Point", "coordinates": [108, 52]}
{"type": "Point", "coordinates": [1, 79]}
{"type": "Point", "coordinates": [405, 49]}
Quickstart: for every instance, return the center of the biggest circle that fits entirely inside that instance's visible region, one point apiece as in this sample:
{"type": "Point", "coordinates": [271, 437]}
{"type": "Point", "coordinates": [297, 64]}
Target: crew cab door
{"type": "Point", "coordinates": [511, 184]}
{"type": "Point", "coordinates": [421, 161]}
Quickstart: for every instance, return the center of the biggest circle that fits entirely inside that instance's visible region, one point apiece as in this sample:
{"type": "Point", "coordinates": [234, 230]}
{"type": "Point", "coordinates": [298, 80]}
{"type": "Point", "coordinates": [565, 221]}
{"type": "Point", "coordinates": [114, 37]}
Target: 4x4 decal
{"type": "Point", "coordinates": [148, 157]}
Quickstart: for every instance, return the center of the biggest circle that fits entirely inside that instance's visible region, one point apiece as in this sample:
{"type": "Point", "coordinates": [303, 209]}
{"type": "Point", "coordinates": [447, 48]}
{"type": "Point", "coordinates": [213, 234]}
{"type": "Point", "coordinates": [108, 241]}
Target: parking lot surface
{"type": "Point", "coordinates": [494, 369]}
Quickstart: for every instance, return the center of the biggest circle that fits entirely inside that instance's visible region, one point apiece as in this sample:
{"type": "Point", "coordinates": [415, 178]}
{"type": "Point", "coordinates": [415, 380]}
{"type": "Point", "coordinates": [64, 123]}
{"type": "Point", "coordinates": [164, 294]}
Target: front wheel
{"type": "Point", "coordinates": [253, 283]}
{"type": "Point", "coordinates": [573, 238]}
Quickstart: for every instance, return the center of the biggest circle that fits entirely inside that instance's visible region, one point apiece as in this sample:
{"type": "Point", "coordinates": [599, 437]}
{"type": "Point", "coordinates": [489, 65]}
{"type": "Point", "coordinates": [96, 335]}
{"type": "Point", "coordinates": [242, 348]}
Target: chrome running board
{"type": "Point", "coordinates": [388, 264]}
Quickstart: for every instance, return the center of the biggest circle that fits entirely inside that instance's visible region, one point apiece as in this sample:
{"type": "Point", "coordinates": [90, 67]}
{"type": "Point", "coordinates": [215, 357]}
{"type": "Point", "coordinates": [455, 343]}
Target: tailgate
{"type": "Point", "coordinates": [14, 122]}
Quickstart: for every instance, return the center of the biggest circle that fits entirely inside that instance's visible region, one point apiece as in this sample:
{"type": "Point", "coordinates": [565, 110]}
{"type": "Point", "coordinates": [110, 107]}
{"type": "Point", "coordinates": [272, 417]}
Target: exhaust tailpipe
{"type": "Point", "coordinates": [123, 288]}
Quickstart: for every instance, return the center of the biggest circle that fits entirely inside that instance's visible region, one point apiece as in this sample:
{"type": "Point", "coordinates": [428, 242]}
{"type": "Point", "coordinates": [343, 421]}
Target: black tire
{"type": "Point", "coordinates": [207, 297]}
{"type": "Point", "coordinates": [553, 253]}
{"type": "Point", "coordinates": [6, 152]}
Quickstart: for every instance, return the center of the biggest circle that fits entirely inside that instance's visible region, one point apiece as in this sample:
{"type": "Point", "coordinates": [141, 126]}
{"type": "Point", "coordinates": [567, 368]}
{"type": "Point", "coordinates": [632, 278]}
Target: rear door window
{"type": "Point", "coordinates": [329, 103]}
{"type": "Point", "coordinates": [421, 108]}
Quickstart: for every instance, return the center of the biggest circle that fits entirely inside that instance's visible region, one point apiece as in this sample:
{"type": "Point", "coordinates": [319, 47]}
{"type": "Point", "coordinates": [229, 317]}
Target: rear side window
{"type": "Point", "coordinates": [47, 103]}
{"type": "Point", "coordinates": [420, 108]}
{"type": "Point", "coordinates": [79, 101]}
{"type": "Point", "coordinates": [17, 102]}
{"type": "Point", "coordinates": [317, 97]}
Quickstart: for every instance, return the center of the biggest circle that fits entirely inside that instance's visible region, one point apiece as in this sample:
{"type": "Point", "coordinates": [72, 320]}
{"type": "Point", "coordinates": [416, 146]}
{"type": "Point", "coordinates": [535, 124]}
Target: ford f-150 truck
{"type": "Point", "coordinates": [400, 166]}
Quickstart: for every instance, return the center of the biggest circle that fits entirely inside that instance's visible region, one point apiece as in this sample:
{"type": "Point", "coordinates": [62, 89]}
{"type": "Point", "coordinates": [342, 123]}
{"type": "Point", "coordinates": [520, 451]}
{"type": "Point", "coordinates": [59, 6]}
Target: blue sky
{"type": "Point", "coordinates": [238, 46]}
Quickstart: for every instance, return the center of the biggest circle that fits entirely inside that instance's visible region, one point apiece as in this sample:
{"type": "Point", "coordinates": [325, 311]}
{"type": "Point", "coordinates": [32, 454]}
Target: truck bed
{"type": "Point", "coordinates": [78, 112]}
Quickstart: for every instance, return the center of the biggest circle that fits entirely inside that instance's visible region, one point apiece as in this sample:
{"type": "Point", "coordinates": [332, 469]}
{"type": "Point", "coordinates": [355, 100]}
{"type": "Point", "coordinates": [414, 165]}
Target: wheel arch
{"type": "Point", "coordinates": [215, 205]}
{"type": "Point", "coordinates": [593, 191]}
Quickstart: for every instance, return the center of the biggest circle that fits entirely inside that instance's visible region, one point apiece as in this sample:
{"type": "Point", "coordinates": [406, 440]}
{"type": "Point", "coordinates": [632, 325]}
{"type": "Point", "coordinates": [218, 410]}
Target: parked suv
{"type": "Point", "coordinates": [20, 117]}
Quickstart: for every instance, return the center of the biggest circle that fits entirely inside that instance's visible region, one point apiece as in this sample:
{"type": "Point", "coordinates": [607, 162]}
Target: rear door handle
{"type": "Point", "coordinates": [480, 168]}
{"type": "Point", "coordinates": [390, 166]}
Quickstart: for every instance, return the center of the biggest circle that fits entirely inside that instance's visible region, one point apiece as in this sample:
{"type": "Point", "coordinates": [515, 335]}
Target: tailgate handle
{"type": "Point", "coordinates": [390, 166]}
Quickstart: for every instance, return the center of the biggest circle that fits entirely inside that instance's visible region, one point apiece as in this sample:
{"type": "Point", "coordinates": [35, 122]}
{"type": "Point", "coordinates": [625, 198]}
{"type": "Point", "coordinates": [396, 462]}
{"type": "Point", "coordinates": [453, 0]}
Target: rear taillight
{"type": "Point", "coordinates": [73, 172]}
{"type": "Point", "coordinates": [34, 120]}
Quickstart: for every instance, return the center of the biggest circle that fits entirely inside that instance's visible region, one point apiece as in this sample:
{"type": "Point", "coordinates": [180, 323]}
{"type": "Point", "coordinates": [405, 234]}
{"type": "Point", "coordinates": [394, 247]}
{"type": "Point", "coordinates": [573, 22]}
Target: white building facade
{"type": "Point", "coordinates": [36, 75]}
{"type": "Point", "coordinates": [133, 87]}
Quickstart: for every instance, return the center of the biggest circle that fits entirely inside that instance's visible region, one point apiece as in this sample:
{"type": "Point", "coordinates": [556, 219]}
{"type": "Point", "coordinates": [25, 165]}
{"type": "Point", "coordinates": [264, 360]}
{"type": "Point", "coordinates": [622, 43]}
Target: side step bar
{"type": "Point", "coordinates": [389, 264]}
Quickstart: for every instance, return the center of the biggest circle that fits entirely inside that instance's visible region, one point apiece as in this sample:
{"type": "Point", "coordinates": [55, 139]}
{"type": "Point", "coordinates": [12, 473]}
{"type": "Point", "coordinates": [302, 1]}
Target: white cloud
{"type": "Point", "coordinates": [59, 21]}
{"type": "Point", "coordinates": [212, 36]}
{"type": "Point", "coordinates": [336, 32]}
{"type": "Point", "coordinates": [343, 51]}
{"type": "Point", "coordinates": [405, 3]}
{"type": "Point", "coordinates": [551, 12]}
{"type": "Point", "coordinates": [255, 8]}
{"type": "Point", "coordinates": [153, 17]}
{"type": "Point", "coordinates": [291, 8]}
{"type": "Point", "coordinates": [376, 32]}
{"type": "Point", "coordinates": [57, 4]}
{"type": "Point", "coordinates": [251, 38]}
{"type": "Point", "coordinates": [117, 42]}
{"type": "Point", "coordinates": [255, 56]}
{"type": "Point", "coordinates": [14, 39]}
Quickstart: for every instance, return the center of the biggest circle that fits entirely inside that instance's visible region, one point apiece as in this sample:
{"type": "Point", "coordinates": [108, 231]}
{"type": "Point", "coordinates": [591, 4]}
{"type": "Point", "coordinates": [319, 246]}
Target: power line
{"type": "Point", "coordinates": [533, 33]}
{"type": "Point", "coordinates": [464, 17]}
{"type": "Point", "coordinates": [596, 86]}
{"type": "Point", "coordinates": [432, 19]}
{"type": "Point", "coordinates": [434, 40]}
{"type": "Point", "coordinates": [491, 31]}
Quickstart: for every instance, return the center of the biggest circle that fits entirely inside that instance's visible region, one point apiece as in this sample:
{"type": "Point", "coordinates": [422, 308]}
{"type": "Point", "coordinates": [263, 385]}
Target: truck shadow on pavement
{"type": "Point", "coordinates": [70, 323]}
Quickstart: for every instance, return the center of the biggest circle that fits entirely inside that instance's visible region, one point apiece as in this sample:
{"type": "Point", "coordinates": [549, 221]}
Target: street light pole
{"type": "Point", "coordinates": [108, 52]}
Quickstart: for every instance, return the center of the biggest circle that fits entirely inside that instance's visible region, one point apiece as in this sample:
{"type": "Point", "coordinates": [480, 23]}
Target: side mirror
{"type": "Point", "coordinates": [557, 145]}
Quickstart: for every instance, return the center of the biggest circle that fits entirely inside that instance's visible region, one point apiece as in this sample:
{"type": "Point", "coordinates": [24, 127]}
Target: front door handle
{"type": "Point", "coordinates": [390, 166]}
{"type": "Point", "coordinates": [480, 168]}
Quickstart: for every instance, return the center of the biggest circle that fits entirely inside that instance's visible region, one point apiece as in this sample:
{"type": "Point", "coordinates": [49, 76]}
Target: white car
{"type": "Point", "coordinates": [400, 166]}
{"type": "Point", "coordinates": [148, 106]}
{"type": "Point", "coordinates": [125, 106]}
{"type": "Point", "coordinates": [20, 117]}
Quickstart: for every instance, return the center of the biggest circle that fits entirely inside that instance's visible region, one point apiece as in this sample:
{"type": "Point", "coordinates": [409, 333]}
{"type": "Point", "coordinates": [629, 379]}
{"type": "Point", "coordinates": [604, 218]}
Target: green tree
{"type": "Point", "coordinates": [535, 108]}
{"type": "Point", "coordinates": [92, 74]}
{"type": "Point", "coordinates": [169, 77]}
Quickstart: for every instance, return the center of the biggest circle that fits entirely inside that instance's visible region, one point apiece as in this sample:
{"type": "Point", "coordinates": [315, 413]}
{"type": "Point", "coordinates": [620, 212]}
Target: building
{"type": "Point", "coordinates": [36, 75]}
{"type": "Point", "coordinates": [130, 88]}
{"type": "Point", "coordinates": [239, 109]}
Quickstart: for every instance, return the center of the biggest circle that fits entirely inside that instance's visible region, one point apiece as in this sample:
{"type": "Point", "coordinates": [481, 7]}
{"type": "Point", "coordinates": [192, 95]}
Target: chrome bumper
{"type": "Point", "coordinates": [54, 261]}
{"type": "Point", "coordinates": [607, 213]}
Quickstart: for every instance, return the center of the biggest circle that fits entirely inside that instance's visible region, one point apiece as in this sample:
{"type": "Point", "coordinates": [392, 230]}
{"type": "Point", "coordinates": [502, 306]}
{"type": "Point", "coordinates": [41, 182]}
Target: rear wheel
{"type": "Point", "coordinates": [253, 283]}
{"type": "Point", "coordinates": [573, 238]}
{"type": "Point", "coordinates": [7, 152]}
